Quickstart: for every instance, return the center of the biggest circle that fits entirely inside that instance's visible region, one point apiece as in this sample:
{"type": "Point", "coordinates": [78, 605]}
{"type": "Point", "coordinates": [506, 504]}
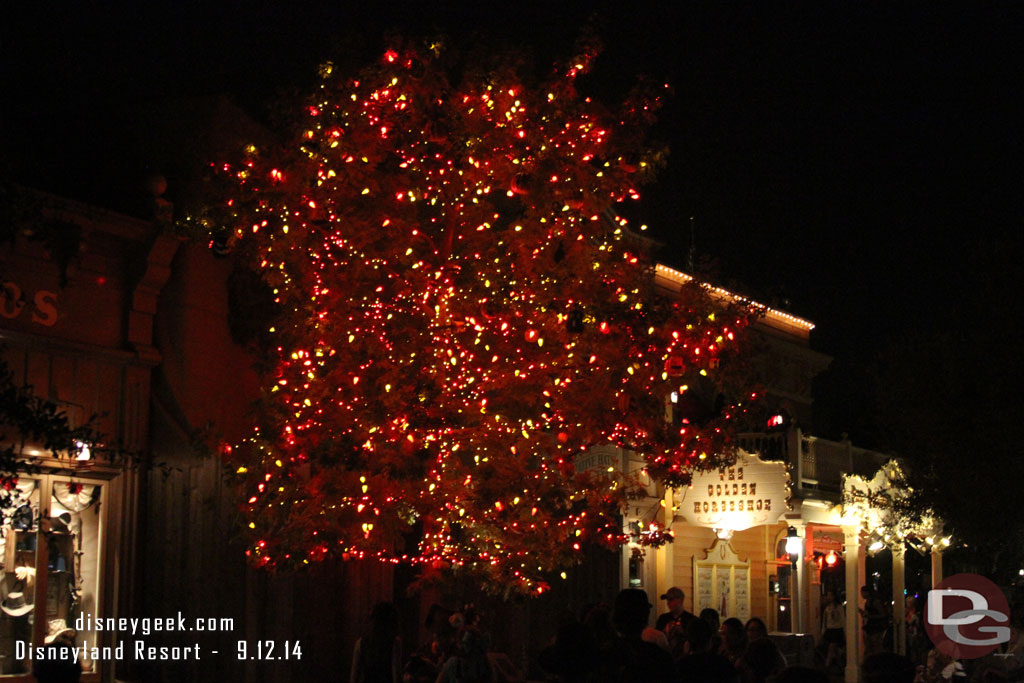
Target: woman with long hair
{"type": "Point", "coordinates": [833, 630]}
{"type": "Point", "coordinates": [734, 640]}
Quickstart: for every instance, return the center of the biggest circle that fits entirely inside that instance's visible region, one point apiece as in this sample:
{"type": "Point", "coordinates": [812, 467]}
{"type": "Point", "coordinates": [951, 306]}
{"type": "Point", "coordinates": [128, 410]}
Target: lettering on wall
{"type": "Point", "coordinates": [40, 306]}
{"type": "Point", "coordinates": [750, 493]}
{"type": "Point", "coordinates": [738, 496]}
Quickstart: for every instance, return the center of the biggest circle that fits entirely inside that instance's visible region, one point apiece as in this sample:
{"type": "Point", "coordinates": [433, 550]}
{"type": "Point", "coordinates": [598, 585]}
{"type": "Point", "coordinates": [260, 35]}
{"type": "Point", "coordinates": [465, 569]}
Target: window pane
{"type": "Point", "coordinates": [73, 563]}
{"type": "Point", "coordinates": [19, 541]}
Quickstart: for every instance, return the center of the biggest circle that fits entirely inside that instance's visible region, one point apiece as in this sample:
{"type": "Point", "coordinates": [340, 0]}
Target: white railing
{"type": "Point", "coordinates": [815, 463]}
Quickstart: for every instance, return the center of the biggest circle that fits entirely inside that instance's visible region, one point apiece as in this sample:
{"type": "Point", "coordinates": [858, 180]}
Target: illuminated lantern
{"type": "Point", "coordinates": [674, 366]}
{"type": "Point", "coordinates": [793, 543]}
{"type": "Point", "coordinates": [562, 437]}
{"type": "Point", "coordinates": [831, 558]}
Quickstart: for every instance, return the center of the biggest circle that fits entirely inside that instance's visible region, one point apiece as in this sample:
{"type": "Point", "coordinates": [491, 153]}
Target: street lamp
{"type": "Point", "coordinates": [793, 544]}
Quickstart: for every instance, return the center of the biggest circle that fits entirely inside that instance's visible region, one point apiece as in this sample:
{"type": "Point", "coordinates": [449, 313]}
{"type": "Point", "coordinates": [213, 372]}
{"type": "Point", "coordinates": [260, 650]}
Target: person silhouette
{"type": "Point", "coordinates": [377, 657]}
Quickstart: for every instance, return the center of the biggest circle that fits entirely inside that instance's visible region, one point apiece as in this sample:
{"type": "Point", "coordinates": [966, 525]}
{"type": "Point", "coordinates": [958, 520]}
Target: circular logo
{"type": "Point", "coordinates": [967, 616]}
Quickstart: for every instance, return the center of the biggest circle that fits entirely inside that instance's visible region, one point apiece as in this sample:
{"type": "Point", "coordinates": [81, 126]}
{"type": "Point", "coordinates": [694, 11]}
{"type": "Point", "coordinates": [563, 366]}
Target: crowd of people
{"type": "Point", "coordinates": [615, 644]}
{"type": "Point", "coordinates": [681, 646]}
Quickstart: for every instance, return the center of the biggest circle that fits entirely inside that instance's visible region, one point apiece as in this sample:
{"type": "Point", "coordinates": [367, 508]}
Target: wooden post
{"type": "Point", "coordinates": [854, 578]}
{"type": "Point", "coordinates": [899, 606]}
{"type": "Point", "coordinates": [664, 554]}
{"type": "Point", "coordinates": [800, 598]}
{"type": "Point", "coordinates": [936, 567]}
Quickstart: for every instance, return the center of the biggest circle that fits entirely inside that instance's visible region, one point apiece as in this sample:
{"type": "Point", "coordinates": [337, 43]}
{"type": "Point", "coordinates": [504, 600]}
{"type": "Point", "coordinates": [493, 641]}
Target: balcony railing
{"type": "Point", "coordinates": [773, 446]}
{"type": "Point", "coordinates": [815, 464]}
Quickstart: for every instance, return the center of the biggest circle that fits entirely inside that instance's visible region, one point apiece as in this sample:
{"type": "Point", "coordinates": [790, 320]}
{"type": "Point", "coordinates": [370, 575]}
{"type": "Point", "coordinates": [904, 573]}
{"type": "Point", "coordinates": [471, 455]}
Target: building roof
{"type": "Point", "coordinates": [787, 323]}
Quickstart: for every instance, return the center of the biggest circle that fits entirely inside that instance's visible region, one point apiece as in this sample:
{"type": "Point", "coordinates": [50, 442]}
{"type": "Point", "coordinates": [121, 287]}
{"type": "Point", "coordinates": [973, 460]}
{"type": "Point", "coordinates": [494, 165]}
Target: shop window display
{"type": "Point", "coordinates": [50, 545]}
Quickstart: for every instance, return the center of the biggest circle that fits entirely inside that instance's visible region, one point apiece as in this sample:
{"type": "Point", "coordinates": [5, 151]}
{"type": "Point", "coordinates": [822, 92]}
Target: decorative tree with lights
{"type": "Point", "coordinates": [461, 315]}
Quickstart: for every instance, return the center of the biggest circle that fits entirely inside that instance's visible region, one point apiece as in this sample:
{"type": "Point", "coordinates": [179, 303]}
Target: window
{"type": "Point", "coordinates": [51, 541]}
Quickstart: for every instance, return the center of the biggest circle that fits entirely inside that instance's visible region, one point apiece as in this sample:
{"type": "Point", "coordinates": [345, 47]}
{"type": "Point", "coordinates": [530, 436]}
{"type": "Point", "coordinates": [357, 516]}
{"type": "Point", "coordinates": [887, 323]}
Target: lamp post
{"type": "Point", "coordinates": [794, 548]}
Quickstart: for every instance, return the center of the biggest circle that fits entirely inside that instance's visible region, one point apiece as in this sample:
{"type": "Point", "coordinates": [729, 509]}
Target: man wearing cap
{"type": "Point", "coordinates": [676, 615]}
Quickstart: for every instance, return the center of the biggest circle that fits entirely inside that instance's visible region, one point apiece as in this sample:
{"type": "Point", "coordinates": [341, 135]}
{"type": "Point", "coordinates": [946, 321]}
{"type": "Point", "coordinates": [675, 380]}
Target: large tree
{"type": "Point", "coordinates": [461, 312]}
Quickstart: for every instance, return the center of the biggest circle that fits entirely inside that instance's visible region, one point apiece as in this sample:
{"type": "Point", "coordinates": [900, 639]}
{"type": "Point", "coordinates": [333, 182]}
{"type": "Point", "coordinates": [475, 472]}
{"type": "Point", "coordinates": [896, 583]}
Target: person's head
{"type": "Point", "coordinates": [674, 597]}
{"type": "Point", "coordinates": [756, 629]}
{"type": "Point", "coordinates": [710, 615]}
{"type": "Point", "coordinates": [734, 637]}
{"type": "Point", "coordinates": [631, 611]}
{"type": "Point", "coordinates": [830, 597]}
{"type": "Point", "coordinates": [471, 643]}
{"type": "Point", "coordinates": [865, 592]}
{"type": "Point", "coordinates": [698, 636]}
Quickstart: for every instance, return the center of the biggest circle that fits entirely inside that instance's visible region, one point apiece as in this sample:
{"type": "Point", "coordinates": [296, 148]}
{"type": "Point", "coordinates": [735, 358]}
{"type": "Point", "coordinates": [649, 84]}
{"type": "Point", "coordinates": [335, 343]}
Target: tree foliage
{"type": "Point", "coordinates": [28, 419]}
{"type": "Point", "coordinates": [461, 313]}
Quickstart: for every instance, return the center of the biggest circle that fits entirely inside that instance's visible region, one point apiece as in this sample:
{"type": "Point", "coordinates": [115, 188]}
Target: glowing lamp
{"type": "Point", "coordinates": [831, 558]}
{"type": "Point", "coordinates": [793, 542]}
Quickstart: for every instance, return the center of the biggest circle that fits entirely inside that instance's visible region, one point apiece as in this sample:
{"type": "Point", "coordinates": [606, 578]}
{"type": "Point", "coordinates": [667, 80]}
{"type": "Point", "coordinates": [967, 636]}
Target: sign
{"type": "Point", "coordinates": [967, 616]}
{"type": "Point", "coordinates": [41, 306]}
{"type": "Point", "coordinates": [600, 458]}
{"type": "Point", "coordinates": [722, 581]}
{"type": "Point", "coordinates": [750, 493]}
{"type": "Point", "coordinates": [822, 541]}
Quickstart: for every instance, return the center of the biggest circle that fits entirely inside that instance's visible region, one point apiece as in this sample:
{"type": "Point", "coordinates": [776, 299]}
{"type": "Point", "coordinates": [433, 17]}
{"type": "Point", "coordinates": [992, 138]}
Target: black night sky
{"type": "Point", "coordinates": [858, 164]}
